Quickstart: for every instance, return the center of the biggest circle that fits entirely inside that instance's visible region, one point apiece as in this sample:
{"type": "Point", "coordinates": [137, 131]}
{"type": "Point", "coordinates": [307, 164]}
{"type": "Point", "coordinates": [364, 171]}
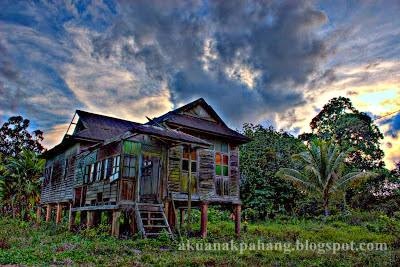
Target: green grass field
{"type": "Point", "coordinates": [26, 244]}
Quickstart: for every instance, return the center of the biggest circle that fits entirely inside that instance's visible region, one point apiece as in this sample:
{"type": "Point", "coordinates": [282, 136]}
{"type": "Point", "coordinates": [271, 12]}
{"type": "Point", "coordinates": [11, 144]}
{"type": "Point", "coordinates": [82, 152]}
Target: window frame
{"type": "Point", "coordinates": [222, 190]}
{"type": "Point", "coordinates": [116, 166]}
{"type": "Point", "coordinates": [194, 162]}
{"type": "Point", "coordinates": [129, 166]}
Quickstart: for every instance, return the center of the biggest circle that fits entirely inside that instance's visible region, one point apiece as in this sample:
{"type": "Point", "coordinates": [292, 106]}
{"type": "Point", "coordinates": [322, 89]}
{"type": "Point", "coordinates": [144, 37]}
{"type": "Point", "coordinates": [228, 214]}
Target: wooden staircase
{"type": "Point", "coordinates": [151, 220]}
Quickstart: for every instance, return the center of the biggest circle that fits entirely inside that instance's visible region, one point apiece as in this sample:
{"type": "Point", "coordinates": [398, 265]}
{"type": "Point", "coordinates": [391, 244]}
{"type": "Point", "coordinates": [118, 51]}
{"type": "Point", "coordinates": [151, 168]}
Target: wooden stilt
{"type": "Point", "coordinates": [181, 218]}
{"type": "Point", "coordinates": [58, 213]}
{"type": "Point", "coordinates": [83, 218]}
{"type": "Point", "coordinates": [71, 220]}
{"type": "Point", "coordinates": [204, 219]}
{"type": "Point", "coordinates": [39, 215]}
{"type": "Point", "coordinates": [238, 209]}
{"type": "Point", "coordinates": [133, 223]}
{"type": "Point", "coordinates": [115, 223]}
{"type": "Point", "coordinates": [48, 212]}
{"type": "Point", "coordinates": [90, 218]}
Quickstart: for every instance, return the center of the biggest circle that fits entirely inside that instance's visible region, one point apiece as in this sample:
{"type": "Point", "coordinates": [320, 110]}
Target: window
{"type": "Point", "coordinates": [104, 166]}
{"type": "Point", "coordinates": [48, 173]}
{"type": "Point", "coordinates": [98, 170]}
{"type": "Point", "coordinates": [86, 178]}
{"type": "Point", "coordinates": [92, 172]}
{"type": "Point", "coordinates": [65, 168]}
{"type": "Point", "coordinates": [185, 159]}
{"type": "Point", "coordinates": [129, 169]}
{"type": "Point", "coordinates": [222, 169]}
{"type": "Point", "coordinates": [185, 169]}
{"type": "Point", "coordinates": [115, 168]}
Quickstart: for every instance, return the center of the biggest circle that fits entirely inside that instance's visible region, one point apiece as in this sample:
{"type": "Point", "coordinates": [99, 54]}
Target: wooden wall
{"type": "Point", "coordinates": [59, 187]}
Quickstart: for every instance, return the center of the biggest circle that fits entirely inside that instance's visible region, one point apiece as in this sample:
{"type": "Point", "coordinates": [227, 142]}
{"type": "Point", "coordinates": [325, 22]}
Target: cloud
{"type": "Point", "coordinates": [210, 48]}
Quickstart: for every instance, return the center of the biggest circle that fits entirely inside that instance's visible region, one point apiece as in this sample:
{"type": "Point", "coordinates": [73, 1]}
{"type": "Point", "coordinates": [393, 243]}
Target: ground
{"type": "Point", "coordinates": [27, 244]}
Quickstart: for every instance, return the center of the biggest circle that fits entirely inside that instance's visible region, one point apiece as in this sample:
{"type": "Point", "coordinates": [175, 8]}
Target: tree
{"type": "Point", "coordinates": [262, 192]}
{"type": "Point", "coordinates": [14, 137]}
{"type": "Point", "coordinates": [341, 122]}
{"type": "Point", "coordinates": [323, 171]}
{"type": "Point", "coordinates": [21, 182]}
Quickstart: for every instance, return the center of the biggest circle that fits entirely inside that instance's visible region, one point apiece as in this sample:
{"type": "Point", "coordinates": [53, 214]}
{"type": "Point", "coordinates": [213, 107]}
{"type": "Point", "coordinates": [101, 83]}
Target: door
{"type": "Point", "coordinates": [150, 178]}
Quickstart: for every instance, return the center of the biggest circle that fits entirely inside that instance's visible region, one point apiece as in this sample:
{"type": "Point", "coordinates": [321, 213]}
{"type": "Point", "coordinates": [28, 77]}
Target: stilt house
{"type": "Point", "coordinates": [107, 168]}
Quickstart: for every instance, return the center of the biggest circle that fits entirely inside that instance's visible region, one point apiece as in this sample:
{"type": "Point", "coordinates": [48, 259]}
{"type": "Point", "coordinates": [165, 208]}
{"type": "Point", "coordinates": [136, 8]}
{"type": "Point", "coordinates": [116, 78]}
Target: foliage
{"type": "Point", "coordinates": [52, 244]}
{"type": "Point", "coordinates": [15, 137]}
{"type": "Point", "coordinates": [323, 171]}
{"type": "Point", "coordinates": [383, 193]}
{"type": "Point", "coordinates": [340, 121]}
{"type": "Point", "coordinates": [269, 150]}
{"type": "Point", "coordinates": [20, 182]}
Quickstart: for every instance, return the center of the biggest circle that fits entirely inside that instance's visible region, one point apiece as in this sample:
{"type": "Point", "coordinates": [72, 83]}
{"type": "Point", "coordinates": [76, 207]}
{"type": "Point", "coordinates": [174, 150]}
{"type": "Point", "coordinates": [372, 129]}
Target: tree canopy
{"type": "Point", "coordinates": [260, 159]}
{"type": "Point", "coordinates": [15, 137]}
{"type": "Point", "coordinates": [340, 121]}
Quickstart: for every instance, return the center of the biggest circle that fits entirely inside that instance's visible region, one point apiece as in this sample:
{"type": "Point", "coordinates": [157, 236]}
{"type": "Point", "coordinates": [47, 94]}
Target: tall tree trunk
{"type": "Point", "coordinates": [326, 205]}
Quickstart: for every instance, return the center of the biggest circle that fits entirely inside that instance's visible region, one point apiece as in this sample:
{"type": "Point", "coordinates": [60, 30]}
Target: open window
{"type": "Point", "coordinates": [185, 169]}
{"type": "Point", "coordinates": [221, 169]}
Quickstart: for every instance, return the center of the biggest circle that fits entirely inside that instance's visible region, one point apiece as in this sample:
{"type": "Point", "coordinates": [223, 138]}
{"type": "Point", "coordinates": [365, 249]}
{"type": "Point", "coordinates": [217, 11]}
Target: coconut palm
{"type": "Point", "coordinates": [323, 170]}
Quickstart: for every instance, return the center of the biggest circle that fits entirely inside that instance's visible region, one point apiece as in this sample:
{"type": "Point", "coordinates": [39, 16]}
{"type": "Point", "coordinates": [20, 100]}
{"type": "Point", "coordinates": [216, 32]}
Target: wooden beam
{"type": "Point", "coordinates": [182, 218]}
{"type": "Point", "coordinates": [238, 209]}
{"type": "Point", "coordinates": [71, 218]}
{"type": "Point", "coordinates": [204, 219]}
{"type": "Point", "coordinates": [133, 223]}
{"type": "Point", "coordinates": [58, 213]}
{"type": "Point", "coordinates": [39, 215]}
{"type": "Point", "coordinates": [83, 218]}
{"type": "Point", "coordinates": [115, 223]}
{"type": "Point", "coordinates": [90, 218]}
{"type": "Point", "coordinates": [48, 212]}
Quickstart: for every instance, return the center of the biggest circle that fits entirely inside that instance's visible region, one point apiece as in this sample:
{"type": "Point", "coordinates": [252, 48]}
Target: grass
{"type": "Point", "coordinates": [49, 244]}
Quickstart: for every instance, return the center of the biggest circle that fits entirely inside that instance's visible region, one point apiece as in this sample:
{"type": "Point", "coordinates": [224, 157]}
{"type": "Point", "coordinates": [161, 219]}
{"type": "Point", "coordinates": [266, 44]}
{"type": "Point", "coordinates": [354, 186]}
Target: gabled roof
{"type": "Point", "coordinates": [101, 127]}
{"type": "Point", "coordinates": [178, 118]}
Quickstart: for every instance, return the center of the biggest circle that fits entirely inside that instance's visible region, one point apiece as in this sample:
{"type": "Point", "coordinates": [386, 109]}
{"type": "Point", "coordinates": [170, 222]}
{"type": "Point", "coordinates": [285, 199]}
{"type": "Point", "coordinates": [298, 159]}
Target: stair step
{"type": "Point", "coordinates": [155, 226]}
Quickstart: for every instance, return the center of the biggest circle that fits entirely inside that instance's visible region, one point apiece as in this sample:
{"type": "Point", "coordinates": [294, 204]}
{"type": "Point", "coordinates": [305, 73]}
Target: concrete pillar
{"type": "Point", "coordinates": [238, 211]}
{"type": "Point", "coordinates": [48, 212]}
{"type": "Point", "coordinates": [204, 219]}
{"type": "Point", "coordinates": [115, 223]}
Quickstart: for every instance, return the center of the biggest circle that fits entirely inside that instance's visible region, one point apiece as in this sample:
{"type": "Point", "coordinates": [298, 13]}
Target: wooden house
{"type": "Point", "coordinates": [144, 172]}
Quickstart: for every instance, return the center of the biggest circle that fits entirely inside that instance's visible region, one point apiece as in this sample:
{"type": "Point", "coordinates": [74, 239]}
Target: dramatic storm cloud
{"type": "Point", "coordinates": [271, 62]}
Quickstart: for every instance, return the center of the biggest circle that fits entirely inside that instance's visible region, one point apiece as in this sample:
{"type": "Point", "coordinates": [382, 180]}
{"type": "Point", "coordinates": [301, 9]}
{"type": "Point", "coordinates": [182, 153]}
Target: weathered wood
{"type": "Point", "coordinates": [58, 213]}
{"type": "Point", "coordinates": [38, 215]}
{"type": "Point", "coordinates": [71, 218]}
{"type": "Point", "coordinates": [115, 223]}
{"type": "Point", "coordinates": [204, 219]}
{"type": "Point", "coordinates": [48, 213]}
{"type": "Point", "coordinates": [238, 209]}
{"type": "Point", "coordinates": [181, 218]}
{"type": "Point", "coordinates": [90, 219]}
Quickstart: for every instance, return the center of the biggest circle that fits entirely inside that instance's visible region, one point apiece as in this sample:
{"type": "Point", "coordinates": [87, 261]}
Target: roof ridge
{"type": "Point", "coordinates": [105, 116]}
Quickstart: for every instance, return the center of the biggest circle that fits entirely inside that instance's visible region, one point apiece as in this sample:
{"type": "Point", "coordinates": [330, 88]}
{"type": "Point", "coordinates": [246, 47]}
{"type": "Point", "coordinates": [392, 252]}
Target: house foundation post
{"type": "Point", "coordinates": [115, 223]}
{"type": "Point", "coordinates": [71, 218]}
{"type": "Point", "coordinates": [181, 218]}
{"type": "Point", "coordinates": [90, 218]}
{"type": "Point", "coordinates": [38, 214]}
{"type": "Point", "coordinates": [238, 216]}
{"type": "Point", "coordinates": [82, 218]}
{"type": "Point", "coordinates": [58, 213]}
{"type": "Point", "coordinates": [204, 219]}
{"type": "Point", "coordinates": [48, 212]}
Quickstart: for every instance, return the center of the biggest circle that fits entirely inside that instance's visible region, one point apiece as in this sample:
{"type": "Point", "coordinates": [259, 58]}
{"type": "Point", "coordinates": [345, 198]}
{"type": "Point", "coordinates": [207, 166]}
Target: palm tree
{"type": "Point", "coordinates": [21, 181]}
{"type": "Point", "coordinates": [323, 170]}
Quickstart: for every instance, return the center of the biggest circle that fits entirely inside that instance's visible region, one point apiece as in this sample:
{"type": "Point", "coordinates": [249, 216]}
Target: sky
{"type": "Point", "coordinates": [270, 62]}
